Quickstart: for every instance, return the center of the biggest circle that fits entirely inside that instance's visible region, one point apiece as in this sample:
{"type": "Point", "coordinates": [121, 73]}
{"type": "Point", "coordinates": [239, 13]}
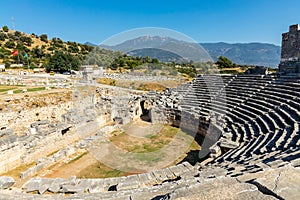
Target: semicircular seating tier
{"type": "Point", "coordinates": [259, 114]}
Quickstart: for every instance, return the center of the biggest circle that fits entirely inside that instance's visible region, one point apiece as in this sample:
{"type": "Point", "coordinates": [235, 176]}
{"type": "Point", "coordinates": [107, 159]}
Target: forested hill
{"type": "Point", "coordinates": [245, 53]}
{"type": "Point", "coordinates": [32, 50]}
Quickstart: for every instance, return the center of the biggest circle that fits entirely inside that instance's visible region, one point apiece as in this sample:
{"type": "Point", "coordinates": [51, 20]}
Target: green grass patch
{"type": "Point", "coordinates": [147, 151]}
{"type": "Point", "coordinates": [35, 89]}
{"type": "Point", "coordinates": [7, 88]}
{"type": "Point", "coordinates": [150, 143]}
{"type": "Point", "coordinates": [99, 170]}
{"type": "Point", "coordinates": [151, 136]}
{"type": "Point", "coordinates": [52, 153]}
{"type": "Point", "coordinates": [195, 146]}
{"type": "Point", "coordinates": [77, 157]}
{"type": "Point", "coordinates": [15, 173]}
{"type": "Point", "coordinates": [149, 159]}
{"type": "Point", "coordinates": [18, 91]}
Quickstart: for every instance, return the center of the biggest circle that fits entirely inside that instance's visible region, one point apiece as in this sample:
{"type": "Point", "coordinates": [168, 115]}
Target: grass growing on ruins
{"type": "Point", "coordinates": [19, 89]}
{"type": "Point", "coordinates": [235, 70]}
{"type": "Point", "coordinates": [141, 146]}
{"type": "Point", "coordinates": [99, 170]}
{"type": "Point", "coordinates": [142, 85]}
{"type": "Point", "coordinates": [4, 88]}
{"type": "Point", "coordinates": [78, 157]}
{"type": "Point", "coordinates": [52, 153]}
{"type": "Point", "coordinates": [151, 86]}
{"type": "Point", "coordinates": [15, 173]}
{"type": "Point", "coordinates": [107, 81]}
{"type": "Point", "coordinates": [151, 142]}
{"type": "Point", "coordinates": [35, 89]}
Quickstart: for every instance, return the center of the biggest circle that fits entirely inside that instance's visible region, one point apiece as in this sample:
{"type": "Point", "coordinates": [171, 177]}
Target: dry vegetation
{"type": "Point", "coordinates": [142, 85]}
{"type": "Point", "coordinates": [84, 165]}
{"type": "Point", "coordinates": [149, 143]}
{"type": "Point", "coordinates": [107, 81]}
{"type": "Point", "coordinates": [99, 170]}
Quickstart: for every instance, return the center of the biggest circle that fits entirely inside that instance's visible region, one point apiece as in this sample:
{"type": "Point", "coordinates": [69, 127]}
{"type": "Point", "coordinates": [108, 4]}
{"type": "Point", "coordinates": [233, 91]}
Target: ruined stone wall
{"type": "Point", "coordinates": [35, 126]}
{"type": "Point", "coordinates": [18, 114]}
{"type": "Point", "coordinates": [290, 51]}
{"type": "Point", "coordinates": [30, 127]}
{"type": "Point", "coordinates": [122, 106]}
{"type": "Point", "coordinates": [11, 158]}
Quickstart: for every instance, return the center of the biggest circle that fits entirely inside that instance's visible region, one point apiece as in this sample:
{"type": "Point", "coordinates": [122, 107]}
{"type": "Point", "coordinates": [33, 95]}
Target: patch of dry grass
{"type": "Point", "coordinates": [151, 86]}
{"type": "Point", "coordinates": [99, 170]}
{"type": "Point", "coordinates": [151, 142]}
{"type": "Point", "coordinates": [15, 173]}
{"type": "Point", "coordinates": [142, 85]}
{"type": "Point", "coordinates": [107, 81]}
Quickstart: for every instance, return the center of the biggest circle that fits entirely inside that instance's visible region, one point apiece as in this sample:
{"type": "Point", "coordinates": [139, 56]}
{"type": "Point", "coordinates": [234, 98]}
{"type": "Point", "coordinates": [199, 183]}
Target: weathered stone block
{"type": "Point", "coordinates": [6, 182]}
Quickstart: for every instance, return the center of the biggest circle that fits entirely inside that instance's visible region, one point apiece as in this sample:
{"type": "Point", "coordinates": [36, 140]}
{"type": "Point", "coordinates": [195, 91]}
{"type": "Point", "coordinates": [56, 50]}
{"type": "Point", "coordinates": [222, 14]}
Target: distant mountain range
{"type": "Point", "coordinates": [184, 50]}
{"type": "Point", "coordinates": [263, 54]}
{"type": "Point", "coordinates": [168, 49]}
{"type": "Point", "coordinates": [161, 55]}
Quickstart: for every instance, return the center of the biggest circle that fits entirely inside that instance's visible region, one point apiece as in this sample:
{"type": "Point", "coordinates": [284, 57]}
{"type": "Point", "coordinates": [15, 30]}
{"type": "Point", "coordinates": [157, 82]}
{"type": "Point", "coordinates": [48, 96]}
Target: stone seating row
{"type": "Point", "coordinates": [144, 180]}
{"type": "Point", "coordinates": [260, 116]}
{"type": "Point", "coordinates": [277, 120]}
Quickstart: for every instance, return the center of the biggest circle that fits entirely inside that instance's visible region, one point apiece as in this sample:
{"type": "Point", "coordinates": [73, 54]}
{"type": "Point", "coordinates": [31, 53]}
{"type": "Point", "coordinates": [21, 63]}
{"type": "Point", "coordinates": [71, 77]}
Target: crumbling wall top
{"type": "Point", "coordinates": [294, 28]}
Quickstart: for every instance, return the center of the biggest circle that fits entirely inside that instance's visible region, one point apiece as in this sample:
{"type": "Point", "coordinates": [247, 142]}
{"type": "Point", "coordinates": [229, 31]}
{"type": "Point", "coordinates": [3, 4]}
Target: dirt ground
{"type": "Point", "coordinates": [73, 168]}
{"type": "Point", "coordinates": [85, 164]}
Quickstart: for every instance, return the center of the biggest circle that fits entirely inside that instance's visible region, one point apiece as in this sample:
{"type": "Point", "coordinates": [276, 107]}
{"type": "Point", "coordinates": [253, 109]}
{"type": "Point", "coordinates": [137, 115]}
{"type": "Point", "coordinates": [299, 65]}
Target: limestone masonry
{"type": "Point", "coordinates": [290, 51]}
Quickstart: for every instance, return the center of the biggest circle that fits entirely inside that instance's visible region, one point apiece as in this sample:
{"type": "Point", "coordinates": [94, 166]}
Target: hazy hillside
{"type": "Point", "coordinates": [247, 53]}
{"type": "Point", "coordinates": [170, 46]}
{"type": "Point", "coordinates": [241, 53]}
{"type": "Point", "coordinates": [161, 55]}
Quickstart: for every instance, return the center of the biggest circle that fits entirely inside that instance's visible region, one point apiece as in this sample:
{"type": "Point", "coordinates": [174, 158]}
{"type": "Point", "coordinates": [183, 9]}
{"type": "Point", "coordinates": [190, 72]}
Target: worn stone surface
{"type": "Point", "coordinates": [284, 182]}
{"type": "Point", "coordinates": [261, 130]}
{"type": "Point", "coordinates": [228, 143]}
{"type": "Point", "coordinates": [6, 182]}
{"type": "Point", "coordinates": [219, 188]}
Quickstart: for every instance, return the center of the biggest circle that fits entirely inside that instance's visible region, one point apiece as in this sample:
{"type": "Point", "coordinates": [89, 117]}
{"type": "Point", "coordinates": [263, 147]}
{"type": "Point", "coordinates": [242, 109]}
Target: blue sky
{"type": "Point", "coordinates": [203, 20]}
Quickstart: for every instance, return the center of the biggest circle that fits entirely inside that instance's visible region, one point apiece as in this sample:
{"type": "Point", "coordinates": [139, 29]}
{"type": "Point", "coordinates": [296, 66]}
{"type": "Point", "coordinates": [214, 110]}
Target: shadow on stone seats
{"type": "Point", "coordinates": [195, 156]}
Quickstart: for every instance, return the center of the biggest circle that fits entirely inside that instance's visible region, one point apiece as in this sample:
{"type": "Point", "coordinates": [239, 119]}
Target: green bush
{"type": "Point", "coordinates": [2, 36]}
{"type": "Point", "coordinates": [44, 37]}
{"type": "Point", "coordinates": [7, 64]}
{"type": "Point", "coordinates": [5, 28]}
{"type": "Point", "coordinates": [10, 44]}
{"type": "Point", "coordinates": [224, 62]}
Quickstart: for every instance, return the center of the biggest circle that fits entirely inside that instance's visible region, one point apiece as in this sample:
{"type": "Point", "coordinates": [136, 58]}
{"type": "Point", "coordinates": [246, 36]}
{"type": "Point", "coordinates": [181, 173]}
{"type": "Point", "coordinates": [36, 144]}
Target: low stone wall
{"type": "Point", "coordinates": [64, 153]}
{"type": "Point", "coordinates": [46, 162]}
{"type": "Point", "coordinates": [11, 158]}
{"type": "Point", "coordinates": [40, 125]}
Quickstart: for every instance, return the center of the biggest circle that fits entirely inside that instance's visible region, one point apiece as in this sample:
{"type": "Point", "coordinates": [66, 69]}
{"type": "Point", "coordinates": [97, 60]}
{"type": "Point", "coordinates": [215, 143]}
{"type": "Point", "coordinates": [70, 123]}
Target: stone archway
{"type": "Point", "coordinates": [145, 106]}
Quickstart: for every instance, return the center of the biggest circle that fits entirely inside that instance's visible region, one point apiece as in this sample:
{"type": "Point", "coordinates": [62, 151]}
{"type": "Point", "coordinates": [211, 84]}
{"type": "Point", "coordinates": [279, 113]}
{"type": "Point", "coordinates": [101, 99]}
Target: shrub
{"type": "Point", "coordinates": [5, 28]}
{"type": "Point", "coordinates": [44, 37]}
{"type": "Point", "coordinates": [10, 44]}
